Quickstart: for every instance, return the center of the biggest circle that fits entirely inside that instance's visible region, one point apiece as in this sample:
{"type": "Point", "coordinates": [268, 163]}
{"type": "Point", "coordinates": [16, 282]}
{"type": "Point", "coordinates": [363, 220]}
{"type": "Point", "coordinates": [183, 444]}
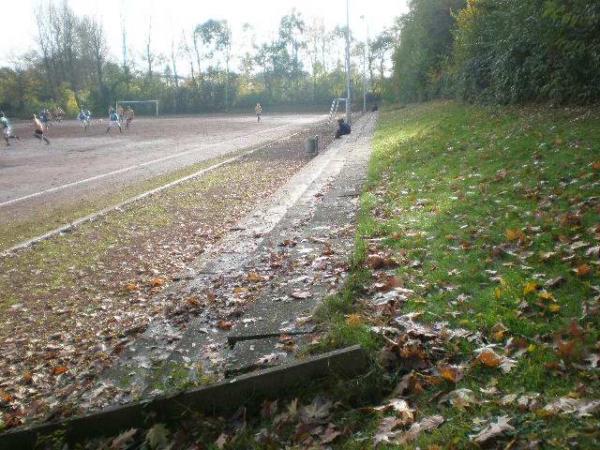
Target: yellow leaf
{"type": "Point", "coordinates": [531, 348]}
{"type": "Point", "coordinates": [545, 295]}
{"type": "Point", "coordinates": [451, 373]}
{"type": "Point", "coordinates": [499, 332]}
{"type": "Point", "coordinates": [354, 320]}
{"type": "Point", "coordinates": [554, 308]}
{"type": "Point", "coordinates": [514, 234]}
{"type": "Point", "coordinates": [497, 293]}
{"type": "Point", "coordinates": [530, 287]}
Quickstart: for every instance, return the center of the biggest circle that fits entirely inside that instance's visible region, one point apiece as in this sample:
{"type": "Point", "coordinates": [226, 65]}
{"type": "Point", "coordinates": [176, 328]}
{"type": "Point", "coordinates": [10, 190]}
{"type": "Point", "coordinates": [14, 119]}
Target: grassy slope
{"type": "Point", "coordinates": [449, 186]}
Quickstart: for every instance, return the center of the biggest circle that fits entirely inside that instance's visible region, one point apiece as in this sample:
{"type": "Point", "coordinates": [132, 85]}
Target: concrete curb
{"type": "Point", "coordinates": [220, 398]}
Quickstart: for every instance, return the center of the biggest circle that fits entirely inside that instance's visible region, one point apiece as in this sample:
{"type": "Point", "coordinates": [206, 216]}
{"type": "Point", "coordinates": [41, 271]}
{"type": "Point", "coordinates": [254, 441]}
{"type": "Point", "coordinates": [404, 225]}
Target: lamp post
{"type": "Point", "coordinates": [348, 99]}
{"type": "Point", "coordinates": [365, 56]}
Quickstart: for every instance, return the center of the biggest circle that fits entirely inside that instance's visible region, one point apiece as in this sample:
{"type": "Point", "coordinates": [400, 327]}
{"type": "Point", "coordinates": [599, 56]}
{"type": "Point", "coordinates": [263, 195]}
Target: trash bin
{"type": "Point", "coordinates": [311, 145]}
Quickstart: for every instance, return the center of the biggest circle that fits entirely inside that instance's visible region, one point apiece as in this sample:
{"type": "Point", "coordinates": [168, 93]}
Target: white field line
{"type": "Point", "coordinates": [93, 216]}
{"type": "Point", "coordinates": [108, 174]}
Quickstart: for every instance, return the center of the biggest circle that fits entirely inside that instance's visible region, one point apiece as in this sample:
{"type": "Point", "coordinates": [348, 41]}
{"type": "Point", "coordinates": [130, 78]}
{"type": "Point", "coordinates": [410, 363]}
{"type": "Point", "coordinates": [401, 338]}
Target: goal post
{"type": "Point", "coordinates": [124, 103]}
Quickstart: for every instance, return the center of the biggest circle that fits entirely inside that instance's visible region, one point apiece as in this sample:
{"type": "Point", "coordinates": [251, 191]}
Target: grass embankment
{"type": "Point", "coordinates": [491, 216]}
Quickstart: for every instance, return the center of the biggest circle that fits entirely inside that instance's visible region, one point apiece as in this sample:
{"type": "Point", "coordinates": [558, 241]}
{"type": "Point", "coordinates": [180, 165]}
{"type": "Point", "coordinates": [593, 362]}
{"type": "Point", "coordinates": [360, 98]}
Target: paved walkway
{"type": "Point", "coordinates": [259, 285]}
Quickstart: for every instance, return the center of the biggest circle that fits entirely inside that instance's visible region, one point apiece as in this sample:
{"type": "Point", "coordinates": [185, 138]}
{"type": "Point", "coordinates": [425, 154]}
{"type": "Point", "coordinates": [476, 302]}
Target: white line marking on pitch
{"type": "Point", "coordinates": [102, 212]}
{"type": "Point", "coordinates": [107, 174]}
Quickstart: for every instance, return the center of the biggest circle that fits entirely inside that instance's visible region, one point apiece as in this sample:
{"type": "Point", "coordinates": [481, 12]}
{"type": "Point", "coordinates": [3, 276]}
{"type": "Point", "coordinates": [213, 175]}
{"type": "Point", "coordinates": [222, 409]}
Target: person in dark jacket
{"type": "Point", "coordinates": [343, 128]}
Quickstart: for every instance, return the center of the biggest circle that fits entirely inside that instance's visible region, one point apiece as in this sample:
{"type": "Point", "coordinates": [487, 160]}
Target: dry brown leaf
{"type": "Point", "coordinates": [300, 294]}
{"type": "Point", "coordinates": [59, 370]}
{"type": "Point", "coordinates": [131, 287]}
{"type": "Point", "coordinates": [123, 440]}
{"type": "Point", "coordinates": [566, 405]}
{"type": "Point", "coordinates": [330, 434]}
{"type": "Point", "coordinates": [451, 373]}
{"type": "Point", "coordinates": [27, 377]}
{"type": "Point", "coordinates": [583, 270]}
{"type": "Point", "coordinates": [489, 358]}
{"type": "Point", "coordinates": [254, 277]}
{"type": "Point", "coordinates": [492, 430]}
{"type": "Point", "coordinates": [401, 409]}
{"type": "Point", "coordinates": [224, 324]}
{"type": "Point", "coordinates": [514, 234]}
{"type": "Point", "coordinates": [157, 282]}
{"type": "Point", "coordinates": [354, 320]}
{"type": "Point", "coordinates": [460, 398]}
{"type": "Point", "coordinates": [425, 424]}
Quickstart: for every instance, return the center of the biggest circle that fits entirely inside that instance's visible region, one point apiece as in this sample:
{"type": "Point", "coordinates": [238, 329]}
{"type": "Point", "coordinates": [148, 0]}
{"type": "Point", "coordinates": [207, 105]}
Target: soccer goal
{"type": "Point", "coordinates": [140, 106]}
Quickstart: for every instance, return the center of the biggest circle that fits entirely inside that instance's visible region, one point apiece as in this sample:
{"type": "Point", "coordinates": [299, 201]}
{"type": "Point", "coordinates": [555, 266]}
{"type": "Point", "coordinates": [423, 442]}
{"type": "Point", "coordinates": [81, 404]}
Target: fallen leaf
{"type": "Point", "coordinates": [460, 398]}
{"type": "Point", "coordinates": [157, 437]}
{"type": "Point", "coordinates": [375, 262]}
{"type": "Point", "coordinates": [493, 430]}
{"type": "Point", "coordinates": [583, 270]}
{"type": "Point", "coordinates": [451, 373]}
{"type": "Point", "coordinates": [59, 370]}
{"type": "Point", "coordinates": [254, 277]}
{"type": "Point", "coordinates": [330, 434]}
{"type": "Point", "coordinates": [222, 440]}
{"type": "Point", "coordinates": [131, 287]}
{"type": "Point", "coordinates": [224, 324]}
{"type": "Point", "coordinates": [401, 409]}
{"type": "Point", "coordinates": [123, 440]}
{"type": "Point", "coordinates": [566, 405]}
{"type": "Point", "coordinates": [545, 295]}
{"type": "Point", "coordinates": [317, 411]}
{"type": "Point", "coordinates": [300, 295]}
{"type": "Point", "coordinates": [514, 234]}
{"type": "Point", "coordinates": [530, 287]}
{"type": "Point", "coordinates": [554, 308]}
{"type": "Point", "coordinates": [499, 332]}
{"type": "Point", "coordinates": [489, 358]}
{"type": "Point", "coordinates": [425, 424]}
{"type": "Point", "coordinates": [354, 320]}
{"type": "Point", "coordinates": [157, 282]}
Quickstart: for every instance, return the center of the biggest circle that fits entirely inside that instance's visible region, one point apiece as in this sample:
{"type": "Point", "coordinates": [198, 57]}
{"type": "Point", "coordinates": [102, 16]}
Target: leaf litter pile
{"type": "Point", "coordinates": [475, 285]}
{"type": "Point", "coordinates": [71, 304]}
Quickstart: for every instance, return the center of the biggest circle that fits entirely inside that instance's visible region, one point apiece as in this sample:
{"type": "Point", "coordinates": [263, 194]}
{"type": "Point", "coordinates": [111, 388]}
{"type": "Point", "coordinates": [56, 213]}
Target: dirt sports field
{"type": "Point", "coordinates": [78, 165]}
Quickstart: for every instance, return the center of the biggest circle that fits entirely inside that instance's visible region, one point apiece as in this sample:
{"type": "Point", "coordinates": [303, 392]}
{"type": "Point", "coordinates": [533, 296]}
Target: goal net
{"type": "Point", "coordinates": [141, 107]}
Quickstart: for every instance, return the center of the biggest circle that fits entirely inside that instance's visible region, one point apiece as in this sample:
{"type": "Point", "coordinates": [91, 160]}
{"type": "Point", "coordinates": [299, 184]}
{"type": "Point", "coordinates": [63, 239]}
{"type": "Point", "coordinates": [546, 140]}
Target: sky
{"type": "Point", "coordinates": [170, 17]}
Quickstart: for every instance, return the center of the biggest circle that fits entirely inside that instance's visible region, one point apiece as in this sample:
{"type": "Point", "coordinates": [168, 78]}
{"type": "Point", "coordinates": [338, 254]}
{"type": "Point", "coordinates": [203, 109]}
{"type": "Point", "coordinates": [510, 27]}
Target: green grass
{"type": "Point", "coordinates": [446, 182]}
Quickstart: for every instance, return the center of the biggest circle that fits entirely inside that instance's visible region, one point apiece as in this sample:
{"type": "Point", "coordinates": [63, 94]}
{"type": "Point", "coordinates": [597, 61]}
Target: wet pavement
{"type": "Point", "coordinates": [247, 303]}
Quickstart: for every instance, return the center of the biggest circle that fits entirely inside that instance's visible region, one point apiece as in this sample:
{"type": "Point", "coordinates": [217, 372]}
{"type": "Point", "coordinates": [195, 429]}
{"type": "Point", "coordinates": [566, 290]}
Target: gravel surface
{"type": "Point", "coordinates": [72, 303]}
{"type": "Point", "coordinates": [151, 147]}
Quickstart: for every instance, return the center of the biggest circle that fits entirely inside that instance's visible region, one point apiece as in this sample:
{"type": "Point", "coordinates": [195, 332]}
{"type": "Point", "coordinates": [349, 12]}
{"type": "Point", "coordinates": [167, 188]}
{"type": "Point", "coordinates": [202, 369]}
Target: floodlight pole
{"type": "Point", "coordinates": [365, 56]}
{"type": "Point", "coordinates": [348, 98]}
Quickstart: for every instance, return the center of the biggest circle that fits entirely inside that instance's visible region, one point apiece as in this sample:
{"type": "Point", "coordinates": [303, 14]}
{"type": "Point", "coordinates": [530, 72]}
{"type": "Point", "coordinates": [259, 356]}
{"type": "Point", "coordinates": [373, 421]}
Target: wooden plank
{"type": "Point", "coordinates": [217, 399]}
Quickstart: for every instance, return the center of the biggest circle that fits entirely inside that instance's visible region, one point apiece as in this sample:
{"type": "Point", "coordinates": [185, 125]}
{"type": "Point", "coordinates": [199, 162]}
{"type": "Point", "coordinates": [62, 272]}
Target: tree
{"type": "Point", "coordinates": [425, 47]}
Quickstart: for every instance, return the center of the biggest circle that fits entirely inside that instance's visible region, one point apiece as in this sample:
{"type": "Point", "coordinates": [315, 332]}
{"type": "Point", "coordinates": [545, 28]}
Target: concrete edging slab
{"type": "Point", "coordinates": [220, 398]}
